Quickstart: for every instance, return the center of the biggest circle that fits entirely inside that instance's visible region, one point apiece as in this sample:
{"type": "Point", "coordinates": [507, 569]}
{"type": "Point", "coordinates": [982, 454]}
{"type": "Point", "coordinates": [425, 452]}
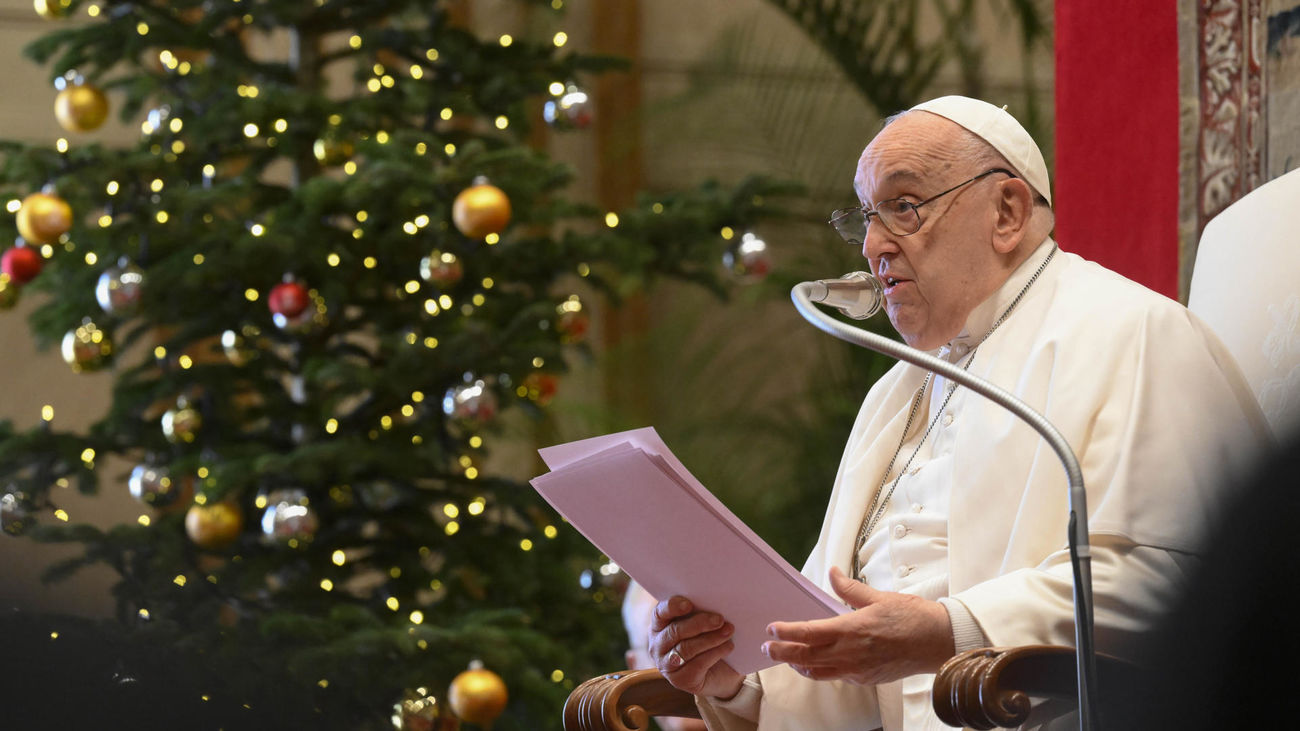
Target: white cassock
{"type": "Point", "coordinates": [1157, 413]}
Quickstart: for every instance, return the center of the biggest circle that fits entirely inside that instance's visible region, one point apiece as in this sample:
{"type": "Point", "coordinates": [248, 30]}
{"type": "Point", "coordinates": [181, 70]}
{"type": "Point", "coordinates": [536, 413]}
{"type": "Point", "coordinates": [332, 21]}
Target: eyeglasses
{"type": "Point", "coordinates": [899, 216]}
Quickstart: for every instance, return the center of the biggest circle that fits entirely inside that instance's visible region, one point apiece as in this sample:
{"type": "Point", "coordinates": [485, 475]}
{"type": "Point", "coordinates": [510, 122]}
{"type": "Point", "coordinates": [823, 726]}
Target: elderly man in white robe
{"type": "Point", "coordinates": [946, 527]}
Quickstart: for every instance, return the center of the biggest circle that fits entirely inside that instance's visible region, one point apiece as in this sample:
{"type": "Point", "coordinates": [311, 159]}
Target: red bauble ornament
{"type": "Point", "coordinates": [573, 326]}
{"type": "Point", "coordinates": [21, 263]}
{"type": "Point", "coordinates": [540, 388]}
{"type": "Point", "coordinates": [289, 299]}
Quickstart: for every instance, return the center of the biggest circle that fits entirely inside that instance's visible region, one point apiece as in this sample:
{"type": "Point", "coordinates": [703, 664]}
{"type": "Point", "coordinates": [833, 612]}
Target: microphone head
{"type": "Point", "coordinates": [858, 295]}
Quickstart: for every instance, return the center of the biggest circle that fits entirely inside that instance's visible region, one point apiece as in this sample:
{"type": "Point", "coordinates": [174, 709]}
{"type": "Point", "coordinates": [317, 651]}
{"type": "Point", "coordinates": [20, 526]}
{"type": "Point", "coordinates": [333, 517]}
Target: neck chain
{"type": "Point", "coordinates": [877, 508]}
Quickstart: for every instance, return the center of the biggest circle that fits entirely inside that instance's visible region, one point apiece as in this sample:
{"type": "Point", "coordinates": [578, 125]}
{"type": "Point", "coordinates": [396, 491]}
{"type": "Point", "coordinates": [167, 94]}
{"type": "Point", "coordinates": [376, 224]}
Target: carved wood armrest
{"type": "Point", "coordinates": [991, 687]}
{"type": "Point", "coordinates": [625, 701]}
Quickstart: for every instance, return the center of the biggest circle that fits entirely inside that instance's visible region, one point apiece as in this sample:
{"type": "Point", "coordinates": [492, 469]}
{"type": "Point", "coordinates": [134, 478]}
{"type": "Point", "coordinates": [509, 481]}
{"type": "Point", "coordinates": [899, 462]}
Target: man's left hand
{"type": "Point", "coordinates": [888, 636]}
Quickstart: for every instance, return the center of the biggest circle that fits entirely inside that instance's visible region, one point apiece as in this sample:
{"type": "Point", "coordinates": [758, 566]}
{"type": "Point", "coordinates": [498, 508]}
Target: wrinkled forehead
{"type": "Point", "coordinates": [913, 150]}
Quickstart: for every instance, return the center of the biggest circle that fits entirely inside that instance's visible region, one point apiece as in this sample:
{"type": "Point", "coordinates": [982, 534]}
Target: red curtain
{"type": "Point", "coordinates": [1116, 186]}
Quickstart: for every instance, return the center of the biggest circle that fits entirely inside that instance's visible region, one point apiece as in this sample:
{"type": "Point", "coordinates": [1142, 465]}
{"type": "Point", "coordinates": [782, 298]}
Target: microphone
{"type": "Point", "coordinates": [857, 294]}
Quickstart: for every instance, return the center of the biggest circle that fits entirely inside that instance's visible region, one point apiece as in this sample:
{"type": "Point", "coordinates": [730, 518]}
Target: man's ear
{"type": "Point", "coordinates": [1015, 206]}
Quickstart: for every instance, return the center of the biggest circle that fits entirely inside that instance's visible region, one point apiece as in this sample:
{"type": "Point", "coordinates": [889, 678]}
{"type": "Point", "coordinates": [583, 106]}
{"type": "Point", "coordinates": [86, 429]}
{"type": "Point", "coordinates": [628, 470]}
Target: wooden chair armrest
{"type": "Point", "coordinates": [991, 687]}
{"type": "Point", "coordinates": [625, 701]}
{"type": "Point", "coordinates": [986, 688]}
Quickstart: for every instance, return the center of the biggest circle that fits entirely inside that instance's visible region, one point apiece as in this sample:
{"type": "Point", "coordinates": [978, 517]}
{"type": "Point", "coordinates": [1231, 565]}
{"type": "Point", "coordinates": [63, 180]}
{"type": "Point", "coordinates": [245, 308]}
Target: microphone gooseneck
{"type": "Point", "coordinates": [860, 292]}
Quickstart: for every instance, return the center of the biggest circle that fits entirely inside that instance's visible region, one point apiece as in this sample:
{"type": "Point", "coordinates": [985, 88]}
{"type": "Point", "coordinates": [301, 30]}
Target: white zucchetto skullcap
{"type": "Point", "coordinates": [1001, 130]}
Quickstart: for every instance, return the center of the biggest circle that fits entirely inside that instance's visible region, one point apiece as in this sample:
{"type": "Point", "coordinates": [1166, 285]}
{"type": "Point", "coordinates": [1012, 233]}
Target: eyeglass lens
{"type": "Point", "coordinates": [897, 215]}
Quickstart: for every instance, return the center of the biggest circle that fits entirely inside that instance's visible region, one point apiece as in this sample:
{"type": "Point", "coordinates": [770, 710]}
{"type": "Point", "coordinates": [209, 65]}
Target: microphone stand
{"type": "Point", "coordinates": [805, 293]}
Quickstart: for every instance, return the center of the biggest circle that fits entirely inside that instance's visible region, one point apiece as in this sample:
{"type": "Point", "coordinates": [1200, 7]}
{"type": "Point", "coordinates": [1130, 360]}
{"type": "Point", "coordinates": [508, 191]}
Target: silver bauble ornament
{"type": "Point", "coordinates": [472, 401]}
{"type": "Point", "coordinates": [419, 710]}
{"type": "Point", "coordinates": [118, 289]}
{"type": "Point", "coordinates": [156, 119]}
{"type": "Point", "coordinates": [441, 268]}
{"type": "Point", "coordinates": [15, 514]}
{"type": "Point", "coordinates": [380, 495]}
{"type": "Point", "coordinates": [749, 259]}
{"type": "Point", "coordinates": [181, 424]}
{"type": "Point", "coordinates": [289, 517]}
{"type": "Point", "coordinates": [86, 347]}
{"type": "Point", "coordinates": [242, 345]}
{"type": "Point", "coordinates": [570, 109]}
{"type": "Point", "coordinates": [152, 486]}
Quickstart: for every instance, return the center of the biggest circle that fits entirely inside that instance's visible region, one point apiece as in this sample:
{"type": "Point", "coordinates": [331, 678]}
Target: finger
{"type": "Point", "coordinates": [668, 610]}
{"type": "Point", "coordinates": [696, 646]}
{"type": "Point", "coordinates": [682, 629]}
{"type": "Point", "coordinates": [854, 593]}
{"type": "Point", "coordinates": [795, 653]}
{"type": "Point", "coordinates": [812, 632]}
{"type": "Point", "coordinates": [693, 674]}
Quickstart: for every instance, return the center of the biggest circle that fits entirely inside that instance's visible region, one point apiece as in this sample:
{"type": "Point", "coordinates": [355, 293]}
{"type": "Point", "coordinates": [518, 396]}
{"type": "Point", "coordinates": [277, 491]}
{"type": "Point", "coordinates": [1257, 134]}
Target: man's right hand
{"type": "Point", "coordinates": [688, 647]}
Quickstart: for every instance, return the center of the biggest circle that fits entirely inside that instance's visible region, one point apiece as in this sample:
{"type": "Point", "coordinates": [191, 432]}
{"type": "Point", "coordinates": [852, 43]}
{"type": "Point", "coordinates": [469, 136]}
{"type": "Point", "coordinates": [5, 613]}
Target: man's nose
{"type": "Point", "coordinates": [877, 242]}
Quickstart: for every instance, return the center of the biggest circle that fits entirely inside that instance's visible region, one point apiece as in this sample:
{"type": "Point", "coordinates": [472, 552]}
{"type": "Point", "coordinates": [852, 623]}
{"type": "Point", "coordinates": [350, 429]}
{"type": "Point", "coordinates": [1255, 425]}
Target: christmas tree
{"type": "Point", "coordinates": [333, 258]}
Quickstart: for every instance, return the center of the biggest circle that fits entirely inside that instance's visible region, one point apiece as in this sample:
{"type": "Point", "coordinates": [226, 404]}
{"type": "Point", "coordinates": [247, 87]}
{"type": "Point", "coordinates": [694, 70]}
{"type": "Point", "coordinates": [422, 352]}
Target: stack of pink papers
{"type": "Point", "coordinates": [636, 502]}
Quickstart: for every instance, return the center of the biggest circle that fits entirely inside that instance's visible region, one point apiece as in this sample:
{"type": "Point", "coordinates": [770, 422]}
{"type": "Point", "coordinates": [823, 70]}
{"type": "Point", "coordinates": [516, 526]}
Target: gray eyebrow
{"type": "Point", "coordinates": [894, 177]}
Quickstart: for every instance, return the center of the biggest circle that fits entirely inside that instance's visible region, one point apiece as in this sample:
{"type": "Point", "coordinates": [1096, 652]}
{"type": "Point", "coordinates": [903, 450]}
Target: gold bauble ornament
{"type": "Point", "coordinates": [478, 695]}
{"type": "Point", "coordinates": [51, 9]}
{"type": "Point", "coordinates": [86, 347]}
{"type": "Point", "coordinates": [481, 209]}
{"type": "Point", "coordinates": [213, 526]}
{"type": "Point", "coordinates": [81, 107]}
{"type": "Point", "coordinates": [43, 218]}
{"type": "Point", "coordinates": [181, 424]}
{"type": "Point", "coordinates": [331, 151]}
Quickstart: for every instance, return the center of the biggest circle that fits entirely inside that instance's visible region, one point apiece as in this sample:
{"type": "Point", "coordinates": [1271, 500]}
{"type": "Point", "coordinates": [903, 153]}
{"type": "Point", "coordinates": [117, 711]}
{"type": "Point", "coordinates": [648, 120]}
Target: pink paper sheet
{"type": "Point", "coordinates": [636, 502]}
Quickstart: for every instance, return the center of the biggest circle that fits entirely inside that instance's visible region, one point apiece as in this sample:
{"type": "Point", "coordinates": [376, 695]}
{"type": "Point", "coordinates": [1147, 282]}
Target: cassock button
{"type": "Point", "coordinates": [961, 349]}
{"type": "Point", "coordinates": [916, 507]}
{"type": "Point", "coordinates": [900, 530]}
{"type": "Point", "coordinates": [947, 419]}
{"type": "Point", "coordinates": [904, 571]}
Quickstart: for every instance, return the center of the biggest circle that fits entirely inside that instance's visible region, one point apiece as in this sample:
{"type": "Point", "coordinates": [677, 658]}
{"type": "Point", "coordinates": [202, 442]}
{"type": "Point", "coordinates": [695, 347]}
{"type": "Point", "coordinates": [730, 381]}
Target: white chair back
{"type": "Point", "coordinates": [1246, 287]}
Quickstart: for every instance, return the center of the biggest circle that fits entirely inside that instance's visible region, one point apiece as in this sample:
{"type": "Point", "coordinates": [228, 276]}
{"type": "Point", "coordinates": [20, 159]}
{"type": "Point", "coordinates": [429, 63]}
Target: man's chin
{"type": "Point", "coordinates": [921, 341]}
{"type": "Point", "coordinates": [905, 329]}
